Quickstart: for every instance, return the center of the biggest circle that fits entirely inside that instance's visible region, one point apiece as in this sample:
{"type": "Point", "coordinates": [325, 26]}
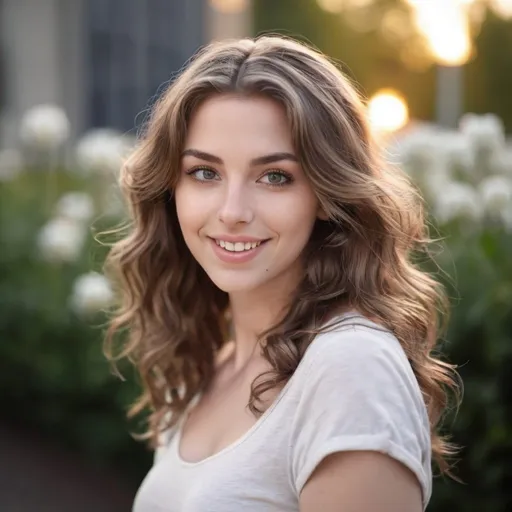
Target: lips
{"type": "Point", "coordinates": [240, 256]}
{"type": "Point", "coordinates": [237, 246]}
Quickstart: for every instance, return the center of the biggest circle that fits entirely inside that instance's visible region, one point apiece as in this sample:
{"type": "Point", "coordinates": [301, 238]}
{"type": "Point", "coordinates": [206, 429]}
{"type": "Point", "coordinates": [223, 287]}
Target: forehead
{"type": "Point", "coordinates": [230, 122]}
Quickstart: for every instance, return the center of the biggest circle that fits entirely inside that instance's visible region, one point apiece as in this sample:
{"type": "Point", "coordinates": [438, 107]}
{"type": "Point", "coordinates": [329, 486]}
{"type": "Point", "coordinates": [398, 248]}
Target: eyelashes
{"type": "Point", "coordinates": [209, 175]}
{"type": "Point", "coordinates": [194, 173]}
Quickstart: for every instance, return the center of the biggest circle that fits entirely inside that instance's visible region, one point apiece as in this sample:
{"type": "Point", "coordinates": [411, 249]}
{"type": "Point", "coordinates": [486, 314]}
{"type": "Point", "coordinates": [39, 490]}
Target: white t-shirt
{"type": "Point", "coordinates": [354, 389]}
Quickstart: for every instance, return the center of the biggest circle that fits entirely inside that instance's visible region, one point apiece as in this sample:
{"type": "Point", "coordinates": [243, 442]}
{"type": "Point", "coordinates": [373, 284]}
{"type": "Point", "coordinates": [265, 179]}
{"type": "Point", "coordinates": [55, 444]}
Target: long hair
{"type": "Point", "coordinates": [362, 257]}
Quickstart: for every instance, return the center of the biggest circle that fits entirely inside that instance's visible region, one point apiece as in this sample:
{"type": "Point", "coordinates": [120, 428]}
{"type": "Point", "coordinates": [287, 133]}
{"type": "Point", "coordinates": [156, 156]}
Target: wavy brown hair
{"type": "Point", "coordinates": [363, 257]}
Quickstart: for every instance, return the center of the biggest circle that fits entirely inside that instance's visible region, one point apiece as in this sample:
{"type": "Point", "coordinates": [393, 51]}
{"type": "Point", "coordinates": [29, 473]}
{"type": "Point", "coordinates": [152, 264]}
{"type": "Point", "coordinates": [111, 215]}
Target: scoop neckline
{"type": "Point", "coordinates": [248, 433]}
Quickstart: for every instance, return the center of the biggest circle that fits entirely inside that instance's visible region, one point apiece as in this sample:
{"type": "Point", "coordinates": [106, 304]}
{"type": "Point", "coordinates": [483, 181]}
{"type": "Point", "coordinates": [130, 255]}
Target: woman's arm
{"type": "Point", "coordinates": [361, 481]}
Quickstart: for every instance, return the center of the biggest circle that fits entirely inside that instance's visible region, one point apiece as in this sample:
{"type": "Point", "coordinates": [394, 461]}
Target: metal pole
{"type": "Point", "coordinates": [449, 95]}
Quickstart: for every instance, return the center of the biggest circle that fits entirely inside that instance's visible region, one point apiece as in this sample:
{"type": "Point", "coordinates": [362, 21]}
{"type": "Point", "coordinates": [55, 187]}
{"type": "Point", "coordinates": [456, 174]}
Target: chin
{"type": "Point", "coordinates": [236, 283]}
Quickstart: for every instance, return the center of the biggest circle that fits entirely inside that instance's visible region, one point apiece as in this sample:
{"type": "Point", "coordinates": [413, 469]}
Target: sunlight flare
{"type": "Point", "coordinates": [445, 25]}
{"type": "Point", "coordinates": [387, 111]}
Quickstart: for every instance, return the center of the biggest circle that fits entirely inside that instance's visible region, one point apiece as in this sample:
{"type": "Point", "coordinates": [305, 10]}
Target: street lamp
{"type": "Point", "coordinates": [445, 25]}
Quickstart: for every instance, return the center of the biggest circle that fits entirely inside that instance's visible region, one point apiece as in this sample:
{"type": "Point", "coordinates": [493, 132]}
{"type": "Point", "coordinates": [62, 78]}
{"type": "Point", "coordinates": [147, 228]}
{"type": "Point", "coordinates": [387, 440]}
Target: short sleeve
{"type": "Point", "coordinates": [360, 393]}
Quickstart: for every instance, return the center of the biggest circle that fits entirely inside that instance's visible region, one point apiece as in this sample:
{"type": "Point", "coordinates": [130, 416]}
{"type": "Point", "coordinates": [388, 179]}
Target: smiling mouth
{"type": "Point", "coordinates": [236, 247]}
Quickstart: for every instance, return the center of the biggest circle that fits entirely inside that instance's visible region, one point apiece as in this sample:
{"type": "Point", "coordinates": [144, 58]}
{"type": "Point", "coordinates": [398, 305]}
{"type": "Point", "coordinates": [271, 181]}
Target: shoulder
{"type": "Point", "coordinates": [356, 391]}
{"type": "Point", "coordinates": [355, 343]}
{"type": "Point", "coordinates": [358, 361]}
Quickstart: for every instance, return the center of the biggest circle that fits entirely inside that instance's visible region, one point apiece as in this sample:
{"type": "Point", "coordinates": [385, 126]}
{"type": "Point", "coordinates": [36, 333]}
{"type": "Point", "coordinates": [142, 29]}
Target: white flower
{"type": "Point", "coordinates": [77, 206]}
{"type": "Point", "coordinates": [61, 240]}
{"type": "Point", "coordinates": [457, 201]}
{"type": "Point", "coordinates": [456, 152]}
{"type": "Point", "coordinates": [102, 150]}
{"type": "Point", "coordinates": [434, 181]}
{"type": "Point", "coordinates": [484, 131]}
{"type": "Point", "coordinates": [418, 149]}
{"type": "Point", "coordinates": [11, 164]}
{"type": "Point", "coordinates": [506, 218]}
{"type": "Point", "coordinates": [44, 127]}
{"type": "Point", "coordinates": [496, 194]}
{"type": "Point", "coordinates": [501, 161]}
{"type": "Point", "coordinates": [91, 292]}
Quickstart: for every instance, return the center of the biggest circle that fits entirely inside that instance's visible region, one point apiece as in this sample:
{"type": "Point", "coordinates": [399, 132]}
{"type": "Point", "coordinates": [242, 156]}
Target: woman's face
{"type": "Point", "coordinates": [245, 207]}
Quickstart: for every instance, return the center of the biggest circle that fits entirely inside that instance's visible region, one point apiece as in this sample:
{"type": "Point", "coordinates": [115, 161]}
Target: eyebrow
{"type": "Point", "coordinates": [261, 160]}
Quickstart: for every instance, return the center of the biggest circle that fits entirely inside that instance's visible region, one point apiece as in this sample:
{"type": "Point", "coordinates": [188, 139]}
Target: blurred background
{"type": "Point", "coordinates": [76, 80]}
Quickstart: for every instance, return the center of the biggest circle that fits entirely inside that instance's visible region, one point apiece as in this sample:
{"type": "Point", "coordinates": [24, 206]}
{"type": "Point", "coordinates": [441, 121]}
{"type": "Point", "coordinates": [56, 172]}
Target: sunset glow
{"type": "Point", "coordinates": [387, 111]}
{"type": "Point", "coordinates": [445, 25]}
{"type": "Point", "coordinates": [229, 6]}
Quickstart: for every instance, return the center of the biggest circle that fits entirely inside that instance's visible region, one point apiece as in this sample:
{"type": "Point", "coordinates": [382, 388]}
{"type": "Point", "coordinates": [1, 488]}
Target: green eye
{"type": "Point", "coordinates": [277, 178]}
{"type": "Point", "coordinates": [208, 174]}
{"type": "Point", "coordinates": [203, 174]}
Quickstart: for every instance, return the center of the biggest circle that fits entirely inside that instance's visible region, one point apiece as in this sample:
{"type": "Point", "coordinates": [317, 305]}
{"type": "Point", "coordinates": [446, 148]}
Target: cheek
{"type": "Point", "coordinates": [189, 207]}
{"type": "Point", "coordinates": [297, 211]}
{"type": "Point", "coordinates": [293, 220]}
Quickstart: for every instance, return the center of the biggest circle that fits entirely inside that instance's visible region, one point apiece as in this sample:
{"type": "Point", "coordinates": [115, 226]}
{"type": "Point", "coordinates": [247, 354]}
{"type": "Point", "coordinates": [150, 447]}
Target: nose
{"type": "Point", "coordinates": [236, 206]}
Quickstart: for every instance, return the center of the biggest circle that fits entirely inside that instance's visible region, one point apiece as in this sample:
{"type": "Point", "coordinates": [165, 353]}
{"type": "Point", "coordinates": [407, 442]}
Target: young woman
{"type": "Point", "coordinates": [283, 335]}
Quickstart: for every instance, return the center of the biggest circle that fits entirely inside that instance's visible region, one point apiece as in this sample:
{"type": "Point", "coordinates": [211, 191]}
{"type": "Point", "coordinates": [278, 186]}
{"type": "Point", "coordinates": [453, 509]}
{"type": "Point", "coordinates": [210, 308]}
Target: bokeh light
{"type": "Point", "coordinates": [333, 6]}
{"type": "Point", "coordinates": [395, 26]}
{"type": "Point", "coordinates": [445, 25]}
{"type": "Point", "coordinates": [387, 111]}
{"type": "Point", "coordinates": [502, 7]}
{"type": "Point", "coordinates": [229, 6]}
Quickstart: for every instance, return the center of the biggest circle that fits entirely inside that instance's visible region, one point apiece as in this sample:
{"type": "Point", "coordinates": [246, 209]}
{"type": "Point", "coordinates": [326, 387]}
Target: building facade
{"type": "Point", "coordinates": [103, 61]}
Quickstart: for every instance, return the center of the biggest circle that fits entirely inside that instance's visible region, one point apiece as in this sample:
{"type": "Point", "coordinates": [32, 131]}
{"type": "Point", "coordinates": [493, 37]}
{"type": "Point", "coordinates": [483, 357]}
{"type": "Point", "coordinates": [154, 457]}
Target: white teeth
{"type": "Point", "coordinates": [238, 246]}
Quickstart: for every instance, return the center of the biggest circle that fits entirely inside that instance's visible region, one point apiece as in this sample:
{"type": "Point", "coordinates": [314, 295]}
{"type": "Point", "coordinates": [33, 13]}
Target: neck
{"type": "Point", "coordinates": [254, 312]}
